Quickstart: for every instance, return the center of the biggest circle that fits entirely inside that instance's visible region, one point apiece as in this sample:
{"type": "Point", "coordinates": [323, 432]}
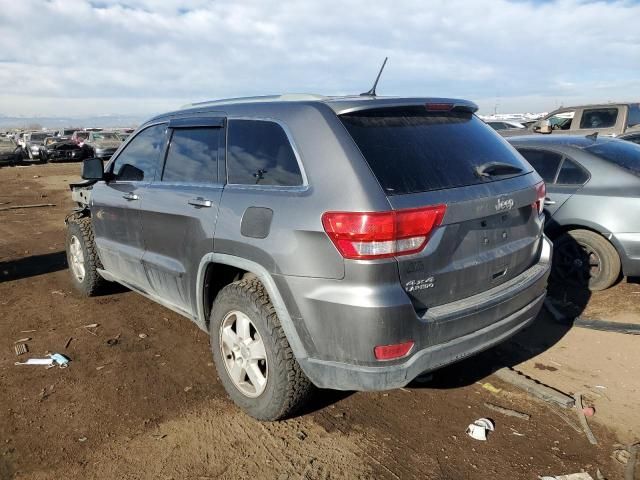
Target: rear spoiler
{"type": "Point", "coordinates": [432, 104]}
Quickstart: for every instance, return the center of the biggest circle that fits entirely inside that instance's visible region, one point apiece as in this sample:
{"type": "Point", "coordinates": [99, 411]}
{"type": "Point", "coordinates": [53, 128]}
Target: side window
{"type": "Point", "coordinates": [634, 115]}
{"type": "Point", "coordinates": [599, 118]}
{"type": "Point", "coordinates": [193, 155]}
{"type": "Point", "coordinates": [138, 161]}
{"type": "Point", "coordinates": [545, 163]}
{"type": "Point", "coordinates": [562, 121]}
{"type": "Point", "coordinates": [571, 174]}
{"type": "Point", "coordinates": [259, 153]}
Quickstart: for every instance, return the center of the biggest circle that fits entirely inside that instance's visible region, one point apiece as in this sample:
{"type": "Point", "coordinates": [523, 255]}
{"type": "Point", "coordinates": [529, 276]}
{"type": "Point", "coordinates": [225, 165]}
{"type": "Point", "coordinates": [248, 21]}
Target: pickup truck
{"type": "Point", "coordinates": [610, 119]}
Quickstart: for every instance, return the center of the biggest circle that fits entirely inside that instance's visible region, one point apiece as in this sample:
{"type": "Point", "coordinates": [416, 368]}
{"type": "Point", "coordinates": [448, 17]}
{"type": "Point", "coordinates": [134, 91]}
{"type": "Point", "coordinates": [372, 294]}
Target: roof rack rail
{"type": "Point", "coordinates": [286, 97]}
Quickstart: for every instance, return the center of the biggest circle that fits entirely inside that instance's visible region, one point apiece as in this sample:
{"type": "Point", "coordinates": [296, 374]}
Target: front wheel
{"type": "Point", "coordinates": [585, 259]}
{"type": "Point", "coordinates": [82, 256]}
{"type": "Point", "coordinates": [252, 355]}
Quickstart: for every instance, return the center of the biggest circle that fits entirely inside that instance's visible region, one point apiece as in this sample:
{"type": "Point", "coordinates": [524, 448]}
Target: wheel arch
{"type": "Point", "coordinates": [240, 266]}
{"type": "Point", "coordinates": [558, 229]}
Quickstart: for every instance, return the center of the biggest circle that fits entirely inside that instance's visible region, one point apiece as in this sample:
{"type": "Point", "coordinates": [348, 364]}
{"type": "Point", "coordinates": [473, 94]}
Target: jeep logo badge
{"type": "Point", "coordinates": [504, 204]}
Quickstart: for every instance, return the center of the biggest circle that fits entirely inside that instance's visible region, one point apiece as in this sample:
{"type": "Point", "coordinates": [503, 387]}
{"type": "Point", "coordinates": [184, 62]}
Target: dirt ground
{"type": "Point", "coordinates": [152, 407]}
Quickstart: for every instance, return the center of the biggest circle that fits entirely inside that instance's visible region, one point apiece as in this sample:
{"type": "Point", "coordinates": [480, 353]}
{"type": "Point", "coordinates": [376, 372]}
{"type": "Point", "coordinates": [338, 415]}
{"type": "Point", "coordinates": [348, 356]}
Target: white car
{"type": "Point", "coordinates": [504, 124]}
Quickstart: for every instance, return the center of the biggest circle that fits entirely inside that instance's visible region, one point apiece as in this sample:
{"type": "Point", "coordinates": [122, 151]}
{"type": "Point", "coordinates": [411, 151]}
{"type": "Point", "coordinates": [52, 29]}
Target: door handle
{"type": "Point", "coordinates": [548, 201]}
{"type": "Point", "coordinates": [200, 202]}
{"type": "Point", "coordinates": [130, 196]}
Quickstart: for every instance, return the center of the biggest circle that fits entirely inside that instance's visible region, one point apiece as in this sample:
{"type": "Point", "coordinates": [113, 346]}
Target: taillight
{"type": "Point", "coordinates": [391, 352]}
{"type": "Point", "coordinates": [370, 235]}
{"type": "Point", "coordinates": [541, 193]}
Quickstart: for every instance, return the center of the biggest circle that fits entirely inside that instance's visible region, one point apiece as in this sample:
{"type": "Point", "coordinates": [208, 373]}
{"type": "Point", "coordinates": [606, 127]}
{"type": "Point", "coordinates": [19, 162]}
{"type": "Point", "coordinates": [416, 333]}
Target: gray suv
{"type": "Point", "coordinates": [349, 243]}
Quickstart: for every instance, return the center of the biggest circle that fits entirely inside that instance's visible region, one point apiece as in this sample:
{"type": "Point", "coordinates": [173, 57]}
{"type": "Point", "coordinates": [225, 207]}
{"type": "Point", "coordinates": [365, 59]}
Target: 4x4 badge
{"type": "Point", "coordinates": [504, 204]}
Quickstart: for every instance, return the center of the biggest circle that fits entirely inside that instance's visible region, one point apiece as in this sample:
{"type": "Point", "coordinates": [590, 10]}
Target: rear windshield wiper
{"type": "Point", "coordinates": [494, 169]}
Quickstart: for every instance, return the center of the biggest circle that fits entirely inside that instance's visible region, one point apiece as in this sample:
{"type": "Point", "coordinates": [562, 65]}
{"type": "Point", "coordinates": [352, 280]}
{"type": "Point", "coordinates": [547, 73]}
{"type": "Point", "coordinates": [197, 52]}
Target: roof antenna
{"type": "Point", "coordinates": [372, 92]}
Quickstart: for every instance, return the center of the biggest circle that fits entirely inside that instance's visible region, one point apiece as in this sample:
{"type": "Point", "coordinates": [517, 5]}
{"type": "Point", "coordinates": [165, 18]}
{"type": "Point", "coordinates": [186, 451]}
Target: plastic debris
{"type": "Point", "coordinates": [51, 361]}
{"type": "Point", "coordinates": [143, 335]}
{"type": "Point", "coordinates": [22, 340]}
{"type": "Point", "coordinates": [589, 411]}
{"type": "Point", "coordinates": [21, 349]}
{"type": "Point", "coordinates": [491, 388]}
{"type": "Point", "coordinates": [478, 429]}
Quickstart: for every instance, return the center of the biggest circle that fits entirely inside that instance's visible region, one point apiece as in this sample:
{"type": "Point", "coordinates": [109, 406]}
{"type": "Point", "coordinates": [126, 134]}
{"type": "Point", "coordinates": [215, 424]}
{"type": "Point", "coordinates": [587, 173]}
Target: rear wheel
{"type": "Point", "coordinates": [585, 259]}
{"type": "Point", "coordinates": [252, 355]}
{"type": "Point", "coordinates": [82, 256]}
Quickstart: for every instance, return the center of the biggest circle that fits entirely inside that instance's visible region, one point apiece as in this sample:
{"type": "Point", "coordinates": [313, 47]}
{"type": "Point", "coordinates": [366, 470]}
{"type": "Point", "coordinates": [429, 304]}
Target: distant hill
{"type": "Point", "coordinates": [103, 121]}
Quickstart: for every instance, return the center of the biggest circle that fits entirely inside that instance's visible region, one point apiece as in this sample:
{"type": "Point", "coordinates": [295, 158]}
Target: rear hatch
{"type": "Point", "coordinates": [491, 228]}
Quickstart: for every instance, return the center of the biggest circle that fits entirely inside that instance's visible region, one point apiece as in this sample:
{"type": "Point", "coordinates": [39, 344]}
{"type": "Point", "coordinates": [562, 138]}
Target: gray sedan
{"type": "Point", "coordinates": [592, 205]}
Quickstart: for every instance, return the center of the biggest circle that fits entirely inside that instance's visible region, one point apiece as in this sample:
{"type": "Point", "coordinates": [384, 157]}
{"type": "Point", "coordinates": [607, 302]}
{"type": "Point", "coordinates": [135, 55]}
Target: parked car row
{"type": "Point", "coordinates": [592, 205]}
{"type": "Point", "coordinates": [60, 145]}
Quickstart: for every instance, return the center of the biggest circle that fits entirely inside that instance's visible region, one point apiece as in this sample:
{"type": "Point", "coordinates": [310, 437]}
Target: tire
{"type": "Point", "coordinates": [80, 246]}
{"type": "Point", "coordinates": [585, 259]}
{"type": "Point", "coordinates": [286, 387]}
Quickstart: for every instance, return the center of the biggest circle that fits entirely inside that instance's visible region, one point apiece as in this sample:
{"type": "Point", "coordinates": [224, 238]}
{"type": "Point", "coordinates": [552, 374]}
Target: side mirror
{"type": "Point", "coordinates": [92, 169]}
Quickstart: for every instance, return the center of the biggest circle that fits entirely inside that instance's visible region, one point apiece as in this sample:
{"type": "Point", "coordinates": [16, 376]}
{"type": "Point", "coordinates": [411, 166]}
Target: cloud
{"type": "Point", "coordinates": [77, 57]}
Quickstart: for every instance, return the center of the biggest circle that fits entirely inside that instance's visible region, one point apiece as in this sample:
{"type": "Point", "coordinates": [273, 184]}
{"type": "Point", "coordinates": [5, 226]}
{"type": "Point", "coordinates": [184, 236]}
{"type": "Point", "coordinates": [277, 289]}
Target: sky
{"type": "Point", "coordinates": [77, 58]}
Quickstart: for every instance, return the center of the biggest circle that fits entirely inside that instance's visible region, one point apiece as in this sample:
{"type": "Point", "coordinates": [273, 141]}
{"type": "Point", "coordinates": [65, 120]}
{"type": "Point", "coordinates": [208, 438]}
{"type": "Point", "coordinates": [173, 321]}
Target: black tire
{"type": "Point", "coordinates": [79, 227]}
{"type": "Point", "coordinates": [287, 387]}
{"type": "Point", "coordinates": [585, 259]}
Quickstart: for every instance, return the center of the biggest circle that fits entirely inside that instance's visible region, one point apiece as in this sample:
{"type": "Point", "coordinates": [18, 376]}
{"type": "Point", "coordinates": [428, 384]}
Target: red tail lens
{"type": "Point", "coordinates": [362, 235]}
{"type": "Point", "coordinates": [439, 107]}
{"type": "Point", "coordinates": [541, 193]}
{"type": "Point", "coordinates": [391, 352]}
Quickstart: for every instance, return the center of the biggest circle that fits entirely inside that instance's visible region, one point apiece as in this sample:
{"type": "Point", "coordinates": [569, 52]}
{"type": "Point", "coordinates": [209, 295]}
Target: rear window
{"type": "Point", "coordinates": [411, 150]}
{"type": "Point", "coordinates": [624, 154]}
{"type": "Point", "coordinates": [634, 115]}
{"type": "Point", "coordinates": [599, 118]}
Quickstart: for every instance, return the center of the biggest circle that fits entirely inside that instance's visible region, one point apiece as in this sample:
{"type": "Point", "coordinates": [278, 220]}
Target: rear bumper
{"type": "Point", "coordinates": [341, 325]}
{"type": "Point", "coordinates": [343, 376]}
{"type": "Point", "coordinates": [629, 248]}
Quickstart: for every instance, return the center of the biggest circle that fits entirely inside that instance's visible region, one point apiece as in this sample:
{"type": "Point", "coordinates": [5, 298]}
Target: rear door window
{"type": "Point", "coordinates": [599, 118]}
{"type": "Point", "coordinates": [412, 150]}
{"type": "Point", "coordinates": [193, 156]}
{"type": "Point", "coordinates": [544, 162]}
{"type": "Point", "coordinates": [259, 153]}
{"type": "Point", "coordinates": [571, 173]}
